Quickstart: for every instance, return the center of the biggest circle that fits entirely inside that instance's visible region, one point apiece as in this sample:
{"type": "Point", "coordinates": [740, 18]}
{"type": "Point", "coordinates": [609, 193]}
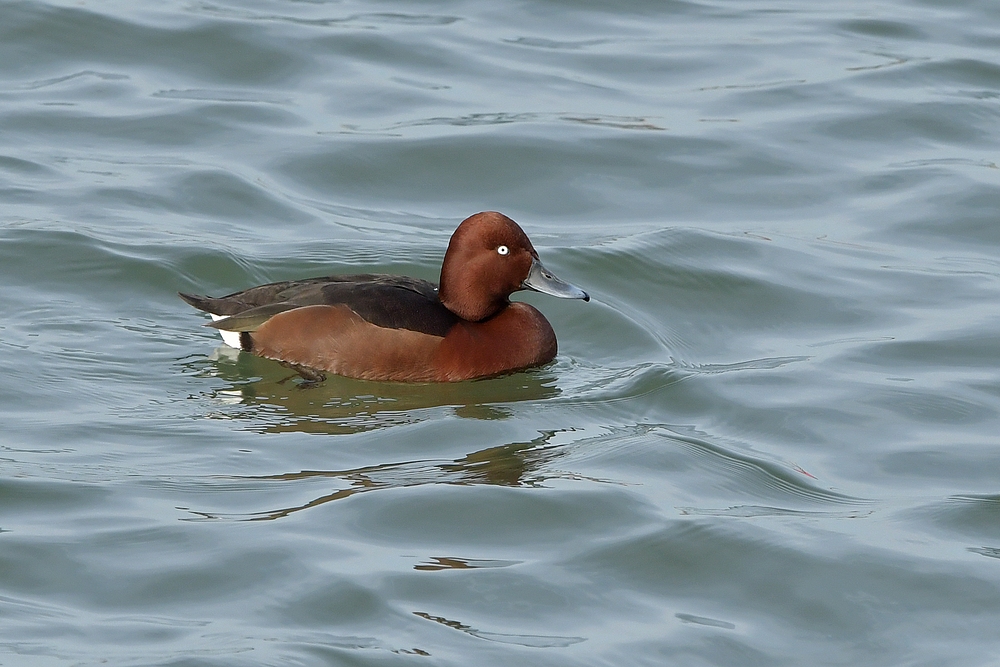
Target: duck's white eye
{"type": "Point", "coordinates": [503, 250]}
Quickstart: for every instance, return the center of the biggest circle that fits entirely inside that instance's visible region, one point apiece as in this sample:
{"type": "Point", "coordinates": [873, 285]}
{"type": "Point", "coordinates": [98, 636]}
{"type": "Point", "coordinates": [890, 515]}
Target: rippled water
{"type": "Point", "coordinates": [770, 439]}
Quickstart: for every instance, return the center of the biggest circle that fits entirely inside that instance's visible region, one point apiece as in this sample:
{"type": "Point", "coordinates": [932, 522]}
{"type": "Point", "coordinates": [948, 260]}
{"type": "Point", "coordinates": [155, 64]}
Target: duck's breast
{"type": "Point", "coordinates": [518, 337]}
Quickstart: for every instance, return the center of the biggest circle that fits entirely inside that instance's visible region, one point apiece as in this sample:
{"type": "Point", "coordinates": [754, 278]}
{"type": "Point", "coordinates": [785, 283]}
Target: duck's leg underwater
{"type": "Point", "coordinates": [311, 376]}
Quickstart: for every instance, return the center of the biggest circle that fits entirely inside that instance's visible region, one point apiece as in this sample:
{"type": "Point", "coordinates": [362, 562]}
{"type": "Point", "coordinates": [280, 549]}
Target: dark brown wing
{"type": "Point", "coordinates": [393, 302]}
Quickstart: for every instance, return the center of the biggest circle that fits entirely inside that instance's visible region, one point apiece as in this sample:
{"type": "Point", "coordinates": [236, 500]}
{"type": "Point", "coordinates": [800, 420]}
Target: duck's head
{"type": "Point", "coordinates": [488, 259]}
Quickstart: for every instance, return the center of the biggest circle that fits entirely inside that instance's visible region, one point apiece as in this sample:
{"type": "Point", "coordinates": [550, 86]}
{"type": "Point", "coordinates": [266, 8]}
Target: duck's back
{"type": "Point", "coordinates": [392, 302]}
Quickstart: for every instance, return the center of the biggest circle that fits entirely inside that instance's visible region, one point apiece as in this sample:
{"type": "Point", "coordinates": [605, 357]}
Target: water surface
{"type": "Point", "coordinates": [770, 438]}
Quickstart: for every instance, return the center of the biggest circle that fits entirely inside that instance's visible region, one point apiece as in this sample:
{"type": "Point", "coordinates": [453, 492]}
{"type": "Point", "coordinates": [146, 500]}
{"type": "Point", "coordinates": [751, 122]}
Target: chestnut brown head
{"type": "Point", "coordinates": [489, 258]}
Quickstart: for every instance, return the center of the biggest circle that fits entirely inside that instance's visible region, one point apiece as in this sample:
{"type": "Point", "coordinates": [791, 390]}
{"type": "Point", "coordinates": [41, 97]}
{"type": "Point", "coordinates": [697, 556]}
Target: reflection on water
{"type": "Point", "coordinates": [751, 511]}
{"type": "Point", "coordinates": [515, 464]}
{"type": "Point", "coordinates": [437, 563]}
{"type": "Point", "coordinates": [272, 399]}
{"type": "Point", "coordinates": [533, 641]}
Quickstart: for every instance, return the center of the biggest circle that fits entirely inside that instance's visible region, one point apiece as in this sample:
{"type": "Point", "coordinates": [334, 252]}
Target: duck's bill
{"type": "Point", "coordinates": [542, 280]}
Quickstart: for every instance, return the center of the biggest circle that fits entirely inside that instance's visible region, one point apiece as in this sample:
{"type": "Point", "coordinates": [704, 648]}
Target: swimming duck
{"type": "Point", "coordinates": [396, 328]}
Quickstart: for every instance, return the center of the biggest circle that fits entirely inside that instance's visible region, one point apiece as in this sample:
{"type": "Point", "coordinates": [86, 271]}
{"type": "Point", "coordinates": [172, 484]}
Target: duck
{"type": "Point", "coordinates": [401, 329]}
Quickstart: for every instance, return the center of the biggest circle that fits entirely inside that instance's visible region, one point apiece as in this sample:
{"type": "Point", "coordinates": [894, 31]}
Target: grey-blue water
{"type": "Point", "coordinates": [772, 437]}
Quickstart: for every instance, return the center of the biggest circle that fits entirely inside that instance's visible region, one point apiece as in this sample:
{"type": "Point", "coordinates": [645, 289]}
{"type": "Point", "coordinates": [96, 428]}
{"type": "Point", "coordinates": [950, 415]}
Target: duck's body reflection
{"type": "Point", "coordinates": [268, 399]}
{"type": "Point", "coordinates": [516, 464]}
{"type": "Point", "coordinates": [342, 406]}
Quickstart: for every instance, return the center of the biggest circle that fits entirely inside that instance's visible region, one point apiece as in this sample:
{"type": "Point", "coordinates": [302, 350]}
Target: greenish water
{"type": "Point", "coordinates": [770, 439]}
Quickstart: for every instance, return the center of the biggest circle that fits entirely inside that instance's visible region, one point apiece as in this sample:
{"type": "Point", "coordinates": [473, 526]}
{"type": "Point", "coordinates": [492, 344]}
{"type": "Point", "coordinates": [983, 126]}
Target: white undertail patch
{"type": "Point", "coordinates": [230, 338]}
